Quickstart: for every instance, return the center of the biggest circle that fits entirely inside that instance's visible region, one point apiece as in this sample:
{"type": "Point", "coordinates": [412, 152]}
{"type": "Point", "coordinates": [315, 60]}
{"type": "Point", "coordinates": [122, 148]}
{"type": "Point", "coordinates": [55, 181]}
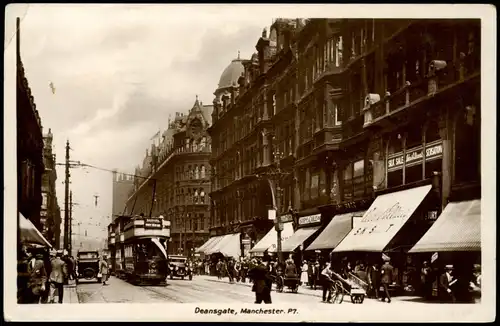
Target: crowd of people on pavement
{"type": "Point", "coordinates": [42, 274]}
{"type": "Point", "coordinates": [381, 279]}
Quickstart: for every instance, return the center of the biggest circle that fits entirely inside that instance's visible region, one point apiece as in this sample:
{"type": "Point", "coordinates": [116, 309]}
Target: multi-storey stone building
{"type": "Point", "coordinates": [174, 180]}
{"type": "Point", "coordinates": [30, 166]}
{"type": "Point", "coordinates": [354, 109]}
{"type": "Point", "coordinates": [50, 214]}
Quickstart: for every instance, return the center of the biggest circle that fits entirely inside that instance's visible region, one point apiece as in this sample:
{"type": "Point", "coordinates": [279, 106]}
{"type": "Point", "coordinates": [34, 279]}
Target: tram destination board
{"type": "Point", "coordinates": [152, 223]}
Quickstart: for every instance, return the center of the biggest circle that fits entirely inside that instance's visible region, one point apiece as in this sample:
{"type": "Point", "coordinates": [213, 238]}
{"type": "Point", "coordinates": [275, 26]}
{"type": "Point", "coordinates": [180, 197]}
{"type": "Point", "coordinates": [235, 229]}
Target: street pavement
{"type": "Point", "coordinates": [202, 289]}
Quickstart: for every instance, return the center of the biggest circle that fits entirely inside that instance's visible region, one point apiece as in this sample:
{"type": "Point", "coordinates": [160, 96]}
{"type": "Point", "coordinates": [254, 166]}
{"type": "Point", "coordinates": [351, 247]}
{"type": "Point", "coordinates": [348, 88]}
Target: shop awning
{"type": "Point", "coordinates": [229, 246]}
{"type": "Point", "coordinates": [215, 241]}
{"type": "Point", "coordinates": [298, 238]}
{"type": "Point", "coordinates": [335, 231]}
{"type": "Point", "coordinates": [458, 228]}
{"type": "Point", "coordinates": [30, 234]}
{"type": "Point", "coordinates": [206, 244]}
{"type": "Point", "coordinates": [382, 221]}
{"type": "Point", "coordinates": [268, 242]}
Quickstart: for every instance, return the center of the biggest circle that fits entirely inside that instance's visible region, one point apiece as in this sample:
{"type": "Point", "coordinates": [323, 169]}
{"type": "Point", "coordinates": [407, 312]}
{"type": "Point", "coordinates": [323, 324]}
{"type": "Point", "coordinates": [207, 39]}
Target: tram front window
{"type": "Point", "coordinates": [149, 258]}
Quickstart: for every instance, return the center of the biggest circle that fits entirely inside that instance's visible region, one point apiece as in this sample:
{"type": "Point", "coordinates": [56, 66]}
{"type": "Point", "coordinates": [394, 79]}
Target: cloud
{"type": "Point", "coordinates": [119, 72]}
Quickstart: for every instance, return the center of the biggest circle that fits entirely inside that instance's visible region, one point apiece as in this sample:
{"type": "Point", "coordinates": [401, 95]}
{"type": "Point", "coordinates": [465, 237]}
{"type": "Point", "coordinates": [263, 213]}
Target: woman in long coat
{"type": "Point", "coordinates": [104, 269]}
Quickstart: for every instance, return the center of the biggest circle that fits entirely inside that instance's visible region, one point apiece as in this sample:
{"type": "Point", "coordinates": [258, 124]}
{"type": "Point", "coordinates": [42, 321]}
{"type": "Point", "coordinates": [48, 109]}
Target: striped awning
{"type": "Point", "coordinates": [206, 244]}
{"type": "Point", "coordinates": [229, 245]}
{"type": "Point", "coordinates": [298, 238]}
{"type": "Point", "coordinates": [458, 228]}
{"type": "Point", "coordinates": [215, 241]}
{"type": "Point", "coordinates": [335, 231]}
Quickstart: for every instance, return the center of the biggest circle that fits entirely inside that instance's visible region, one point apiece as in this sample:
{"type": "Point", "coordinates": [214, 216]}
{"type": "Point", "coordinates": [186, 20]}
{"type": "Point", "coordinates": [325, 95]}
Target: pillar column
{"type": "Point", "coordinates": [445, 131]}
{"type": "Point", "coordinates": [266, 148]}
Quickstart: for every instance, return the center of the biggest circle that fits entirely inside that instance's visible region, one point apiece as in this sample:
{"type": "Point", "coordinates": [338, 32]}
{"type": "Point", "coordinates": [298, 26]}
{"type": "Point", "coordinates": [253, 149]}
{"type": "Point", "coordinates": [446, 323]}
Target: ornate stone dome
{"type": "Point", "coordinates": [231, 74]}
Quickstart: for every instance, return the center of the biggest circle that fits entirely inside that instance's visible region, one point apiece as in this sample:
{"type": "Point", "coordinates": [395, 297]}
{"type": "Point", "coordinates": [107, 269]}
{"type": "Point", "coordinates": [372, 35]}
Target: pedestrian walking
{"type": "Point", "coordinates": [37, 277]}
{"type": "Point", "coordinates": [244, 270]}
{"type": "Point", "coordinates": [229, 270]}
{"type": "Point", "coordinates": [303, 275]}
{"type": "Point", "coordinates": [218, 269]}
{"type": "Point", "coordinates": [446, 281]}
{"type": "Point", "coordinates": [262, 283]}
{"type": "Point", "coordinates": [374, 281]}
{"type": "Point", "coordinates": [387, 275]}
{"type": "Point", "coordinates": [327, 281]}
{"type": "Point", "coordinates": [57, 277]}
{"type": "Point", "coordinates": [237, 271]}
{"type": "Point", "coordinates": [47, 258]}
{"type": "Point", "coordinates": [73, 268]}
{"type": "Point", "coordinates": [426, 280]}
{"type": "Point", "coordinates": [104, 269]}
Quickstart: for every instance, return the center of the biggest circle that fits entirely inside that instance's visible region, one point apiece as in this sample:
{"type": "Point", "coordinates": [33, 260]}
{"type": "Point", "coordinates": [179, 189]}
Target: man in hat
{"type": "Point", "coordinates": [37, 276]}
{"type": "Point", "coordinates": [104, 268]}
{"type": "Point", "coordinates": [446, 280]}
{"type": "Point", "coordinates": [387, 275]}
{"type": "Point", "coordinates": [262, 283]}
{"type": "Point", "coordinates": [57, 277]}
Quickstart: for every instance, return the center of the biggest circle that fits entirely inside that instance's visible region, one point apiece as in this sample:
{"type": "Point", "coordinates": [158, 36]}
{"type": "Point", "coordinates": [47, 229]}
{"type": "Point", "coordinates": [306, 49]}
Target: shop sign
{"type": "Point", "coordinates": [286, 218]}
{"type": "Point", "coordinates": [432, 215]}
{"type": "Point", "coordinates": [152, 223]}
{"type": "Point", "coordinates": [310, 219]}
{"type": "Point", "coordinates": [415, 156]}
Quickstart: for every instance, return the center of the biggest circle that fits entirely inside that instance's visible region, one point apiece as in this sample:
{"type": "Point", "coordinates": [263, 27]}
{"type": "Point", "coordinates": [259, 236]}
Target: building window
{"type": "Point", "coordinates": [195, 146]}
{"type": "Point", "coordinates": [187, 144]}
{"type": "Point", "coordinates": [195, 200]}
{"type": "Point", "coordinates": [196, 172]}
{"type": "Point", "coordinates": [203, 171]}
{"type": "Point", "coordinates": [203, 143]}
{"type": "Point", "coordinates": [202, 196]}
{"type": "Point", "coordinates": [338, 52]}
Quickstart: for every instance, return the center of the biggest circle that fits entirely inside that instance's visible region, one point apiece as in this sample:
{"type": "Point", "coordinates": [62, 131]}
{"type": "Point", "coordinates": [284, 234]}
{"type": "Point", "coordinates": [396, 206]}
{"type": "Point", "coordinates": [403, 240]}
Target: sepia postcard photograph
{"type": "Point", "coordinates": [298, 163]}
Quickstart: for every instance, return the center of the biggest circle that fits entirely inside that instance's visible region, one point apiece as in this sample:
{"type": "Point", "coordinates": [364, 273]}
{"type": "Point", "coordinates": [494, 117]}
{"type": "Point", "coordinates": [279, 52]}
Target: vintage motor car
{"type": "Point", "coordinates": [177, 266]}
{"type": "Point", "coordinates": [87, 265]}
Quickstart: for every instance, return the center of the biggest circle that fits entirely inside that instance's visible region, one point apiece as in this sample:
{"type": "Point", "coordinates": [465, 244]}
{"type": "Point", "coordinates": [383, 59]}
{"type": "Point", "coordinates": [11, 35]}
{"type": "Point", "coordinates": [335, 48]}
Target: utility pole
{"type": "Point", "coordinates": [66, 195]}
{"type": "Point", "coordinates": [70, 247]}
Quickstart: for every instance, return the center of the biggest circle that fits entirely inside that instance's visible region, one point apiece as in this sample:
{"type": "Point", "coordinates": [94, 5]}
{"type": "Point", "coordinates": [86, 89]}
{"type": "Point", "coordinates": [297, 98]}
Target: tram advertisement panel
{"type": "Point", "coordinates": [152, 223]}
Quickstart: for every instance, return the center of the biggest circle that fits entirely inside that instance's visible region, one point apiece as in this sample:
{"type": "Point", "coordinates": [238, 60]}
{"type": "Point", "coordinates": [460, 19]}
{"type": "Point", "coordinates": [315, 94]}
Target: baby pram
{"type": "Point", "coordinates": [352, 286]}
{"type": "Point", "coordinates": [288, 281]}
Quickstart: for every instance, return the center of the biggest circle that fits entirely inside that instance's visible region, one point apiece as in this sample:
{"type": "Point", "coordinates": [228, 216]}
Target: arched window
{"type": "Point", "coordinates": [195, 146]}
{"type": "Point", "coordinates": [196, 172]}
{"type": "Point", "coordinates": [203, 171]}
{"type": "Point", "coordinates": [196, 196]}
{"type": "Point", "coordinates": [187, 144]}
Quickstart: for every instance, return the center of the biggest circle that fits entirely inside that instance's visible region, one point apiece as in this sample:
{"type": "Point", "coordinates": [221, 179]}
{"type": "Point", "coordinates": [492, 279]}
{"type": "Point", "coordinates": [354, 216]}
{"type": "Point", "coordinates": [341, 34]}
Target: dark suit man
{"type": "Point", "coordinates": [446, 280]}
{"type": "Point", "coordinates": [387, 275]}
{"type": "Point", "coordinates": [37, 277]}
{"type": "Point", "coordinates": [57, 277]}
{"type": "Point", "coordinates": [262, 283]}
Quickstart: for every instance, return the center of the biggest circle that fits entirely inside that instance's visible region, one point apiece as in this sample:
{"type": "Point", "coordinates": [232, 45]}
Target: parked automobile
{"type": "Point", "coordinates": [87, 265]}
{"type": "Point", "coordinates": [177, 266]}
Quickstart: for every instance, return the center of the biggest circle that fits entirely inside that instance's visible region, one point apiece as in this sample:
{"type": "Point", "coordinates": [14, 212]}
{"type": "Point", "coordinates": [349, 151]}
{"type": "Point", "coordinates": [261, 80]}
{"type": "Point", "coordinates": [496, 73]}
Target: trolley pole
{"type": "Point", "coordinates": [70, 247]}
{"type": "Point", "coordinates": [66, 195]}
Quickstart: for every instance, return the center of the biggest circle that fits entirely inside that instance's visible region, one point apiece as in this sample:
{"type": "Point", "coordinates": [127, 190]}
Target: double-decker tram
{"type": "Point", "coordinates": [144, 250]}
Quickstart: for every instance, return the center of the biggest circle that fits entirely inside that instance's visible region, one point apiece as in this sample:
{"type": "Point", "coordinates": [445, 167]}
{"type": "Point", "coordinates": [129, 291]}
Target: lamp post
{"type": "Point", "coordinates": [277, 175]}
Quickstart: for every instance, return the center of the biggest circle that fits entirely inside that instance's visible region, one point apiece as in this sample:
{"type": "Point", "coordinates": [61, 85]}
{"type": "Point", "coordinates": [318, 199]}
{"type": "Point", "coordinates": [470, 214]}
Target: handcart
{"type": "Point", "coordinates": [352, 286]}
{"type": "Point", "coordinates": [283, 281]}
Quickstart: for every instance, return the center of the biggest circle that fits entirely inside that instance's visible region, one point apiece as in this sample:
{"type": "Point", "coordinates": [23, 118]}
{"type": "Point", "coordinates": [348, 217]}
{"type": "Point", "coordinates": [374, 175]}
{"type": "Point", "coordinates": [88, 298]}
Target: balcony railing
{"type": "Point", "coordinates": [438, 79]}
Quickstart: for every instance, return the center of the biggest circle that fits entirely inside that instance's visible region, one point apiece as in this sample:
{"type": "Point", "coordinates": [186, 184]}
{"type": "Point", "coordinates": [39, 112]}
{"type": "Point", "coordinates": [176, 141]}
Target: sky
{"type": "Point", "coordinates": [119, 72]}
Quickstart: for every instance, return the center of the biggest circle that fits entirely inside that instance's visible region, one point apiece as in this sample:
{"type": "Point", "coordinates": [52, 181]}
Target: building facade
{"type": "Point", "coordinates": [174, 180]}
{"type": "Point", "coordinates": [30, 167]}
{"type": "Point", "coordinates": [122, 186]}
{"type": "Point", "coordinates": [349, 109]}
{"type": "Point", "coordinates": [50, 214]}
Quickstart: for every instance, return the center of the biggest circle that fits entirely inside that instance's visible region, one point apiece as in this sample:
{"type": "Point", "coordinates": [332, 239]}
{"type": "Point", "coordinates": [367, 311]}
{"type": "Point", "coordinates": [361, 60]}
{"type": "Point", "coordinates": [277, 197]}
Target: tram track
{"type": "Point", "coordinates": [162, 294]}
